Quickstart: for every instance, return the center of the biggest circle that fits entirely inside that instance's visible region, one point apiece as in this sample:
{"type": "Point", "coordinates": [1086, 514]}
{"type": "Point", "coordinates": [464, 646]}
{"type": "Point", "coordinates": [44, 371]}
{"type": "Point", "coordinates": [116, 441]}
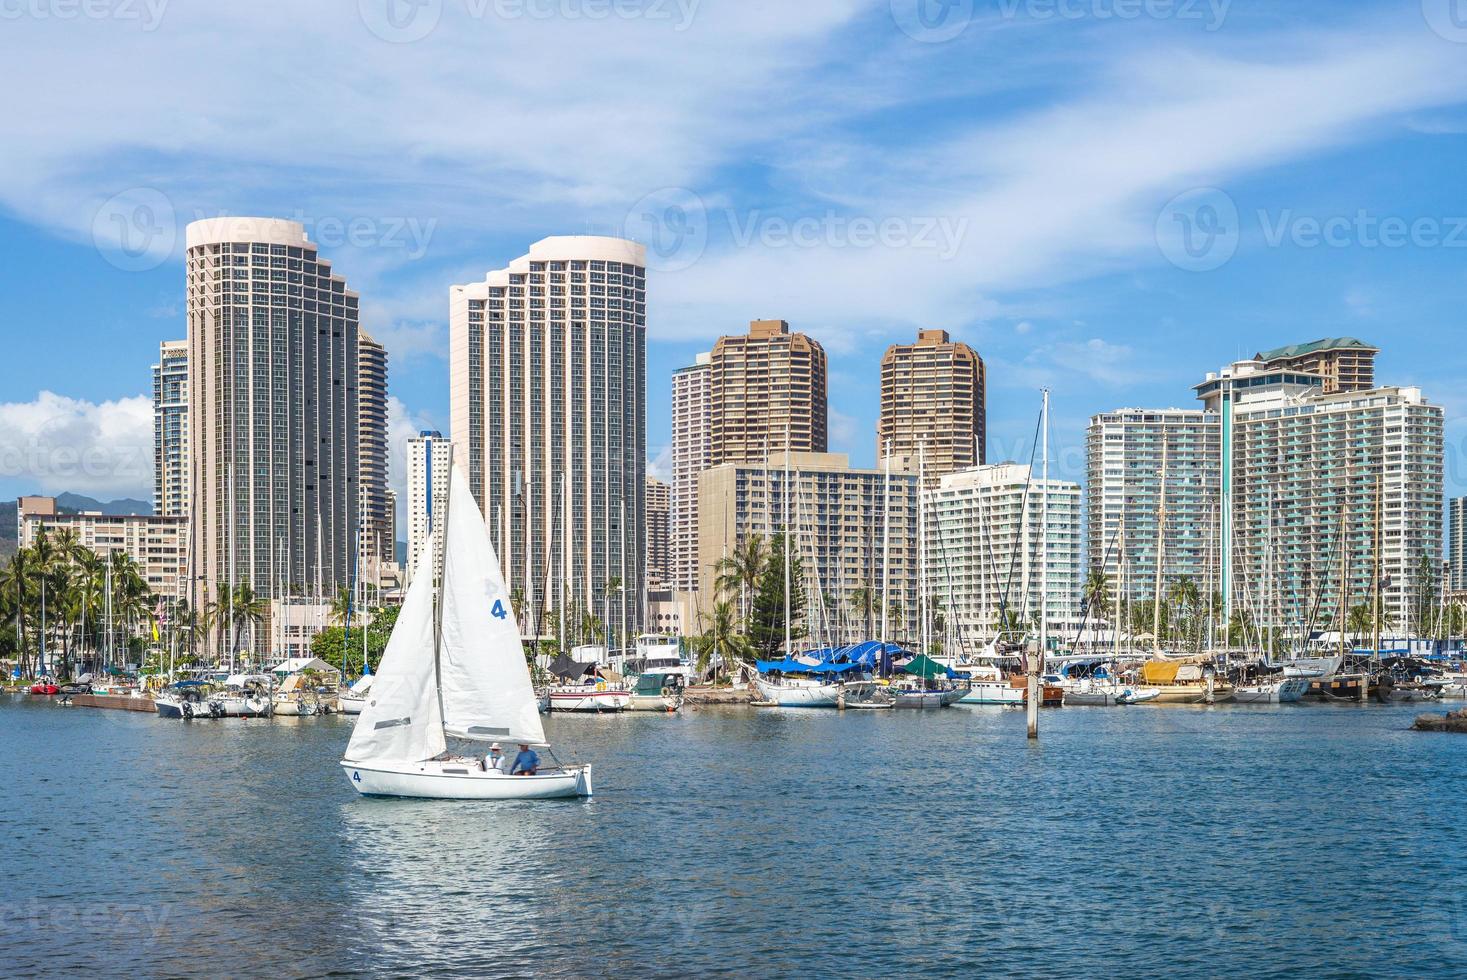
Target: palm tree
{"type": "Point", "coordinates": [1097, 592]}
{"type": "Point", "coordinates": [341, 607]}
{"type": "Point", "coordinates": [738, 573]}
{"type": "Point", "coordinates": [246, 610]}
{"type": "Point", "coordinates": [721, 637]}
{"type": "Point", "coordinates": [864, 601]}
{"type": "Point", "coordinates": [15, 585]}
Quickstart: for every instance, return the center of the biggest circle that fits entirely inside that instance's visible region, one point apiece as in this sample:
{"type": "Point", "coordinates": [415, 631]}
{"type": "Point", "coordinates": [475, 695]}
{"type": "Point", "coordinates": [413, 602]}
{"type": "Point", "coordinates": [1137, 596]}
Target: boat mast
{"type": "Point", "coordinates": [442, 582]}
{"type": "Point", "coordinates": [886, 550]}
{"type": "Point", "coordinates": [788, 544]}
{"type": "Point", "coordinates": [1375, 568]}
{"type": "Point", "coordinates": [1160, 548]}
{"type": "Point", "coordinates": [1044, 538]}
{"type": "Point", "coordinates": [922, 605]}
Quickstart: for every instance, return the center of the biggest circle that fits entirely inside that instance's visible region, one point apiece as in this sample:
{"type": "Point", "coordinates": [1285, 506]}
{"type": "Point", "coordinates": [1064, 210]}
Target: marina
{"type": "Point", "coordinates": [238, 841]}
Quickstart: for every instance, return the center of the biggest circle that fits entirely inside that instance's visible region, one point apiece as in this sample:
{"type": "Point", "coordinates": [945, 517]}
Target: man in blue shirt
{"type": "Point", "coordinates": [526, 762]}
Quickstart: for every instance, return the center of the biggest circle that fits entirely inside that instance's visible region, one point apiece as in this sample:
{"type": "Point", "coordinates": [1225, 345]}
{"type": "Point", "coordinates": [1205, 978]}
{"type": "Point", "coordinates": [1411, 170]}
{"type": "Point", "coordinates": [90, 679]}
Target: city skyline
{"type": "Point", "coordinates": [1056, 277]}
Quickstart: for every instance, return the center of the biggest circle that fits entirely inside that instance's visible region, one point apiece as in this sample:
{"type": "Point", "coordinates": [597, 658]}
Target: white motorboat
{"type": "Point", "coordinates": [1284, 691]}
{"type": "Point", "coordinates": [798, 692]}
{"type": "Point", "coordinates": [656, 692]}
{"type": "Point", "coordinates": [185, 700]}
{"type": "Point", "coordinates": [865, 695]}
{"type": "Point", "coordinates": [595, 698]}
{"type": "Point", "coordinates": [657, 653]}
{"type": "Point", "coordinates": [455, 672]}
{"type": "Point", "coordinates": [1310, 666]}
{"type": "Point", "coordinates": [992, 692]}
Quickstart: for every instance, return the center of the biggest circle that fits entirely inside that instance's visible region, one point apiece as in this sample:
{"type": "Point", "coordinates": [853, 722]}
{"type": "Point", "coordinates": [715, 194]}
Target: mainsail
{"type": "Point", "coordinates": [401, 721]}
{"type": "Point", "coordinates": [486, 684]}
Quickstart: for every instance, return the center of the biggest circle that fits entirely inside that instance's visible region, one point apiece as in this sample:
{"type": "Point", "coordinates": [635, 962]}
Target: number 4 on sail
{"type": "Point", "coordinates": [454, 671]}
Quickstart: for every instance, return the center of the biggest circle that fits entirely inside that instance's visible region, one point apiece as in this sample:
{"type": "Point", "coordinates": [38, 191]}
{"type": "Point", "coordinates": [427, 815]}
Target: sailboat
{"type": "Point", "coordinates": [454, 671]}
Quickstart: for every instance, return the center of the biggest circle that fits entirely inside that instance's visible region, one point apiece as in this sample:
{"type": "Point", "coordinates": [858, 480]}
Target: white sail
{"type": "Point", "coordinates": [486, 683]}
{"type": "Point", "coordinates": [401, 721]}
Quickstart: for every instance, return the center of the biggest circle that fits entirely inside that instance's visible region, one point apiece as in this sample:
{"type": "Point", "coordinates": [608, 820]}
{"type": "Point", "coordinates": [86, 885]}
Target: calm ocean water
{"type": "Point", "coordinates": [1297, 840]}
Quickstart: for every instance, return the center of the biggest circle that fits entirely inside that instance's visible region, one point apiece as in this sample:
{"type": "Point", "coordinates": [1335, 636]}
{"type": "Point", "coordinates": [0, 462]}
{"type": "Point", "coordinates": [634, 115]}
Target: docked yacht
{"type": "Point", "coordinates": [1274, 690]}
{"type": "Point", "coordinates": [657, 653]}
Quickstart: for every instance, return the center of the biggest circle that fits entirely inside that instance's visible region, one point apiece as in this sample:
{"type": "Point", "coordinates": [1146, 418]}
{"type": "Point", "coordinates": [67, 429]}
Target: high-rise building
{"type": "Point", "coordinates": [1457, 545]}
{"type": "Point", "coordinates": [932, 396]}
{"type": "Point", "coordinates": [170, 430]}
{"type": "Point", "coordinates": [1128, 452]}
{"type": "Point", "coordinates": [273, 408]}
{"type": "Point", "coordinates": [766, 394]}
{"type": "Point", "coordinates": [377, 526]}
{"type": "Point", "coordinates": [548, 391]}
{"type": "Point", "coordinates": [986, 565]}
{"type": "Point", "coordinates": [428, 459]}
{"type": "Point", "coordinates": [659, 503]}
{"type": "Point", "coordinates": [1323, 487]}
{"type": "Point", "coordinates": [836, 516]}
{"type": "Point", "coordinates": [1344, 363]}
{"type": "Point", "coordinates": [689, 458]}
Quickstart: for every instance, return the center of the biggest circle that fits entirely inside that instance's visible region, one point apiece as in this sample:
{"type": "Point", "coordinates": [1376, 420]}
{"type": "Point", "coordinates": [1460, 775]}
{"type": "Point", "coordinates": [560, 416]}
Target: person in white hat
{"type": "Point", "coordinates": [494, 761]}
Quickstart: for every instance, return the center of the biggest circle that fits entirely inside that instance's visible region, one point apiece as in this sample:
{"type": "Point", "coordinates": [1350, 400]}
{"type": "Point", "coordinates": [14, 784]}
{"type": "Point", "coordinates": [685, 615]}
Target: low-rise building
{"type": "Point", "coordinates": [157, 543]}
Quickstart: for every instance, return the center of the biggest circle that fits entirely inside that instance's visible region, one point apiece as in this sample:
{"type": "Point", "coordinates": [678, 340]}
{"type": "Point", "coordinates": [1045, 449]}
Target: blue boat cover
{"type": "Point", "coordinates": [833, 660]}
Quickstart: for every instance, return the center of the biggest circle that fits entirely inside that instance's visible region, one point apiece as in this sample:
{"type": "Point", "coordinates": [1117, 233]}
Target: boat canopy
{"type": "Point", "coordinates": [563, 666]}
{"type": "Point", "coordinates": [833, 660]}
{"type": "Point", "coordinates": [925, 667]}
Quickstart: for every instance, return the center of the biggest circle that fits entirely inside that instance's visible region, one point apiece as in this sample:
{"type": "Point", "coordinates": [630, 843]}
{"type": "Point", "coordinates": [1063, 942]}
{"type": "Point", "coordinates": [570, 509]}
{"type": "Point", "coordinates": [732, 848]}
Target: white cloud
{"type": "Point", "coordinates": [402, 424]}
{"type": "Point", "coordinates": [54, 444]}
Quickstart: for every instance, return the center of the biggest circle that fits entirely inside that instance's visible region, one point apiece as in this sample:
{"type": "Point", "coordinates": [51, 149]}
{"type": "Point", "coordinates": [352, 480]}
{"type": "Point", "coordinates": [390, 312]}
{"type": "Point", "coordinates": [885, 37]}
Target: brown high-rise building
{"type": "Point", "coordinates": [1346, 364]}
{"type": "Point", "coordinates": [932, 395]}
{"type": "Point", "coordinates": [659, 554]}
{"type": "Point", "coordinates": [762, 385]}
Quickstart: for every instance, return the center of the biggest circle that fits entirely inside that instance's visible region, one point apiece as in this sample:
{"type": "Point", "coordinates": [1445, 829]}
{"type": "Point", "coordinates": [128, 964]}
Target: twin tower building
{"type": "Point", "coordinates": [272, 431]}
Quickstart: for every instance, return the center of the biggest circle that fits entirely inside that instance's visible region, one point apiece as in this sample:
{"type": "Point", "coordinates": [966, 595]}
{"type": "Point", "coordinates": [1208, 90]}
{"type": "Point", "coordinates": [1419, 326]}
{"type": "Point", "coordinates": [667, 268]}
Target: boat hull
{"type": "Point", "coordinates": [350, 704]}
{"type": "Point", "coordinates": [798, 695]}
{"type": "Point", "coordinates": [654, 702]}
{"type": "Point", "coordinates": [1181, 693]}
{"type": "Point", "coordinates": [589, 702]}
{"type": "Point", "coordinates": [1284, 692]}
{"type": "Point", "coordinates": [993, 692]}
{"type": "Point", "coordinates": [928, 699]}
{"type": "Point", "coordinates": [460, 780]}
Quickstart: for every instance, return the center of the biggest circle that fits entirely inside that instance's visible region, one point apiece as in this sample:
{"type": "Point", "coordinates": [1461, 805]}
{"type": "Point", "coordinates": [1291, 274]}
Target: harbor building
{"type": "Point", "coordinates": [170, 430]}
{"type": "Point", "coordinates": [1128, 455]}
{"type": "Point", "coordinates": [157, 543]}
{"type": "Point", "coordinates": [836, 517]}
{"type": "Point", "coordinates": [273, 416]}
{"type": "Point", "coordinates": [547, 379]}
{"type": "Point", "coordinates": [932, 396]}
{"type": "Point", "coordinates": [689, 458]}
{"type": "Point", "coordinates": [1457, 546]}
{"type": "Point", "coordinates": [659, 502]}
{"type": "Point", "coordinates": [766, 394]}
{"type": "Point", "coordinates": [378, 524]}
{"type": "Point", "coordinates": [1342, 363]}
{"type": "Point", "coordinates": [986, 564]}
{"type": "Point", "coordinates": [428, 458]}
{"type": "Point", "coordinates": [1321, 488]}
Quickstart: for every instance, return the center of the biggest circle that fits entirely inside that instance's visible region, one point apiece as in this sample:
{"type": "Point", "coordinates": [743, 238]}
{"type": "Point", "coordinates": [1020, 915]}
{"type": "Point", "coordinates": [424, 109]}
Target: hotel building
{"type": "Point", "coordinates": [170, 429]}
{"type": "Point", "coordinates": [1457, 546]}
{"type": "Point", "coordinates": [156, 542]}
{"type": "Point", "coordinates": [766, 394]}
{"type": "Point", "coordinates": [428, 459]}
{"type": "Point", "coordinates": [1342, 363]}
{"type": "Point", "coordinates": [985, 557]}
{"type": "Point", "coordinates": [548, 395]}
{"type": "Point", "coordinates": [1128, 452]}
{"type": "Point", "coordinates": [835, 515]}
{"type": "Point", "coordinates": [659, 502]}
{"type": "Point", "coordinates": [273, 408]}
{"type": "Point", "coordinates": [690, 452]}
{"type": "Point", "coordinates": [378, 525]}
{"type": "Point", "coordinates": [1305, 474]}
{"type": "Point", "coordinates": [932, 396]}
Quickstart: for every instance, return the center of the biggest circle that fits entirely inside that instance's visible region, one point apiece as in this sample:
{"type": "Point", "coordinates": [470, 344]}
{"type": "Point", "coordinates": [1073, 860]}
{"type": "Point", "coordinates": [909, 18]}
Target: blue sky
{"type": "Point", "coordinates": [1109, 197]}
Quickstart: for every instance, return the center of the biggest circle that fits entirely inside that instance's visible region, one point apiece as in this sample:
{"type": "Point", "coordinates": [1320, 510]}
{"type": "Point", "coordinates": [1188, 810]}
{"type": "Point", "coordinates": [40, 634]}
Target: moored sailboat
{"type": "Point", "coordinates": [457, 672]}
